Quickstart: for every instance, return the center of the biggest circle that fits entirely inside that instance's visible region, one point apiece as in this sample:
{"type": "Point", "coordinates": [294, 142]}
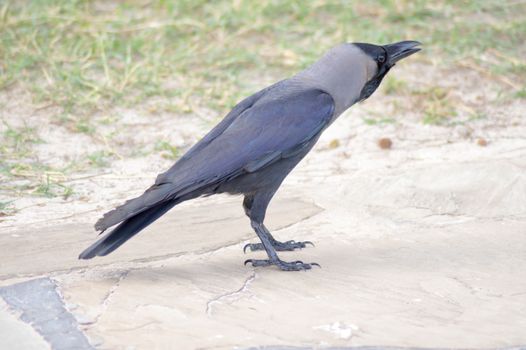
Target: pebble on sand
{"type": "Point", "coordinates": [482, 142]}
{"type": "Point", "coordinates": [385, 143]}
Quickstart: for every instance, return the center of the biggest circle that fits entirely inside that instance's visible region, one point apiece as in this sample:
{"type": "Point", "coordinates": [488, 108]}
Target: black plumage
{"type": "Point", "coordinates": [253, 149]}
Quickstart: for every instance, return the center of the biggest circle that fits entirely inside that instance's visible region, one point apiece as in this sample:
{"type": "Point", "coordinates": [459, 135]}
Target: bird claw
{"type": "Point", "coordinates": [279, 246]}
{"type": "Point", "coordinates": [297, 265]}
{"type": "Point", "coordinates": [302, 263]}
{"type": "Point", "coordinates": [249, 245]}
{"type": "Point", "coordinates": [302, 244]}
{"type": "Point", "coordinates": [257, 262]}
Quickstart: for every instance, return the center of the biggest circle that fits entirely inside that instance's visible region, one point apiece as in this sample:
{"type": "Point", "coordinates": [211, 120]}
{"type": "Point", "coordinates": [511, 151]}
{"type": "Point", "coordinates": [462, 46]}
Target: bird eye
{"type": "Point", "coordinates": [381, 58]}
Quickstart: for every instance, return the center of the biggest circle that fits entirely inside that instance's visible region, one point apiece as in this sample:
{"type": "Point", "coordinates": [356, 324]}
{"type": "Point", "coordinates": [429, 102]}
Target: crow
{"type": "Point", "coordinates": [257, 144]}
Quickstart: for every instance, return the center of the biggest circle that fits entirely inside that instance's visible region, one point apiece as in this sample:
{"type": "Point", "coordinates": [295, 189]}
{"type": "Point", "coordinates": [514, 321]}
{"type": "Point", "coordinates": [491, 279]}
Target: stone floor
{"type": "Point", "coordinates": [456, 281]}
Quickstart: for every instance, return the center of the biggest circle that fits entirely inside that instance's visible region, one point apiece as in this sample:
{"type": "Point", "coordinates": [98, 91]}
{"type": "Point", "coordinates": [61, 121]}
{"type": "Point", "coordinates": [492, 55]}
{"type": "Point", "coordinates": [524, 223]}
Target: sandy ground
{"type": "Point", "coordinates": [421, 245]}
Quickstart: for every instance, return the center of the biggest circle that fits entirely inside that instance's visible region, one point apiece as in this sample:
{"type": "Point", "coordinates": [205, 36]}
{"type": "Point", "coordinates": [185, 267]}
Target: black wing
{"type": "Point", "coordinates": [269, 128]}
{"type": "Point", "coordinates": [267, 131]}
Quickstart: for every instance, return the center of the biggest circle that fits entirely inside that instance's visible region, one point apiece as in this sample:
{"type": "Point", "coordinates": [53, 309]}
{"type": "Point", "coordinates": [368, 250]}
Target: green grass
{"type": "Point", "coordinates": [379, 121]}
{"type": "Point", "coordinates": [16, 158]}
{"type": "Point", "coordinates": [169, 151]}
{"type": "Point", "coordinates": [17, 161]}
{"type": "Point", "coordinates": [16, 141]}
{"type": "Point", "coordinates": [87, 57]}
{"type": "Point", "coordinates": [99, 159]}
{"type": "Point", "coordinates": [7, 208]}
{"type": "Point", "coordinates": [393, 85]}
{"type": "Point", "coordinates": [50, 188]}
{"type": "Point", "coordinates": [521, 93]}
{"type": "Point", "coordinates": [436, 105]}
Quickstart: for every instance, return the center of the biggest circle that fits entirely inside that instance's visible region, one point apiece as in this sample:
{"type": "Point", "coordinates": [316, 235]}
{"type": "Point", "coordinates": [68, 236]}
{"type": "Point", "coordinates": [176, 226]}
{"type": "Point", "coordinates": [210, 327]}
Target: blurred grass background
{"type": "Point", "coordinates": [82, 57]}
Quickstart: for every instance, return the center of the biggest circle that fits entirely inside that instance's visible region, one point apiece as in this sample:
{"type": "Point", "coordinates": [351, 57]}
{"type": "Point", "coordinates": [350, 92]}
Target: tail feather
{"type": "Point", "coordinates": [126, 230]}
{"type": "Point", "coordinates": [153, 196]}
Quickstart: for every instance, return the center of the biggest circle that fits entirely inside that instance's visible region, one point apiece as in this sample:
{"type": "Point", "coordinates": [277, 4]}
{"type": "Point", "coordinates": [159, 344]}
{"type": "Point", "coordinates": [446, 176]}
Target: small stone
{"type": "Point", "coordinates": [482, 142]}
{"type": "Point", "coordinates": [334, 143]}
{"type": "Point", "coordinates": [83, 319]}
{"type": "Point", "coordinates": [385, 143]}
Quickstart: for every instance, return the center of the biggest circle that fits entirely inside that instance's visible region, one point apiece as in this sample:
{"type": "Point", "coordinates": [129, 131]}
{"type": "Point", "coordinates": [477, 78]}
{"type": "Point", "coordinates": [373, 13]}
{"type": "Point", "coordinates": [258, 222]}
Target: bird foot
{"type": "Point", "coordinates": [283, 265]}
{"type": "Point", "coordinates": [279, 246]}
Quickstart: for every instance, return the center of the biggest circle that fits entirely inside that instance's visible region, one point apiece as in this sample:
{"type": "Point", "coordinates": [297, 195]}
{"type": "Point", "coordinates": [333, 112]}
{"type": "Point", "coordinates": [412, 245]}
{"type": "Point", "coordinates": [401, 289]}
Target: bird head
{"type": "Point", "coordinates": [384, 58]}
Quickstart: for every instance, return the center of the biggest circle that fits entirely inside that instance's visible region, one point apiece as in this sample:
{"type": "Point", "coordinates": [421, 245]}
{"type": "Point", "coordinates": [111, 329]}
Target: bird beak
{"type": "Point", "coordinates": [397, 51]}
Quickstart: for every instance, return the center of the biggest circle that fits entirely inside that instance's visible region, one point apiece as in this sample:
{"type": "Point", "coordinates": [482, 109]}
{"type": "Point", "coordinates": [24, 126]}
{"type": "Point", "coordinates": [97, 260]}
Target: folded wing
{"type": "Point", "coordinates": [272, 127]}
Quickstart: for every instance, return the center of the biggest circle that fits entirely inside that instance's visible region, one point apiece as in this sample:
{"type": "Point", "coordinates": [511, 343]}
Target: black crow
{"type": "Point", "coordinates": [253, 149]}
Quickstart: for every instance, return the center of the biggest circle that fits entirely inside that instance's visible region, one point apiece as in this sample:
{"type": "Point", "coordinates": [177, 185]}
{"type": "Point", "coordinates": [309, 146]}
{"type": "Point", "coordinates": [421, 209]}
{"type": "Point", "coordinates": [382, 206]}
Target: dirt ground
{"type": "Point", "coordinates": [421, 244]}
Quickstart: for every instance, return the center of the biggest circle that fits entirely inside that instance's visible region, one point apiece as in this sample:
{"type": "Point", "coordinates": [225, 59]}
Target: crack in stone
{"type": "Point", "coordinates": [83, 269]}
{"type": "Point", "coordinates": [235, 295]}
{"type": "Point", "coordinates": [106, 301]}
{"type": "Point", "coordinates": [133, 328]}
{"type": "Point", "coordinates": [200, 252]}
{"type": "Point", "coordinates": [146, 260]}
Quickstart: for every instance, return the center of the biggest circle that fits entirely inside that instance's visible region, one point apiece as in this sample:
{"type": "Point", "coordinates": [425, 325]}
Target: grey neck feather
{"type": "Point", "coordinates": [342, 72]}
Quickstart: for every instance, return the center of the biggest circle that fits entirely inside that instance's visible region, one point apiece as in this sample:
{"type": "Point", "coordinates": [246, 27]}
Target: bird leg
{"type": "Point", "coordinates": [273, 259]}
{"type": "Point", "coordinates": [279, 246]}
{"type": "Point", "coordinates": [255, 207]}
